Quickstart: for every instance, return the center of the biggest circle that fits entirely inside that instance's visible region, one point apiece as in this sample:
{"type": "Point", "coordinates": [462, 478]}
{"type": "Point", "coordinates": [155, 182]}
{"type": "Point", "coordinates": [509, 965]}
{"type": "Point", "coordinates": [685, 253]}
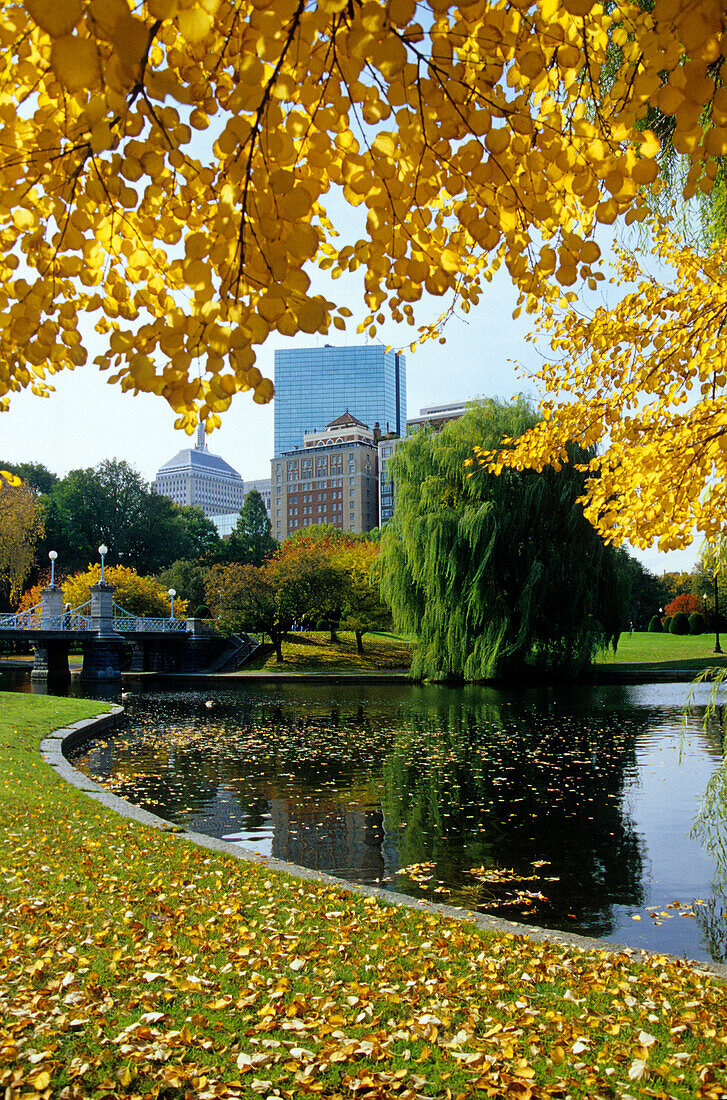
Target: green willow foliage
{"type": "Point", "coordinates": [495, 573]}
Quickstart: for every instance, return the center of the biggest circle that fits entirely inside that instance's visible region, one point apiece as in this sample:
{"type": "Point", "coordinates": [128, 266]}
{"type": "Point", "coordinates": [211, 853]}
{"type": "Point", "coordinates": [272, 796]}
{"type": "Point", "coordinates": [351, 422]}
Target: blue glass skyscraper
{"type": "Point", "coordinates": [315, 385]}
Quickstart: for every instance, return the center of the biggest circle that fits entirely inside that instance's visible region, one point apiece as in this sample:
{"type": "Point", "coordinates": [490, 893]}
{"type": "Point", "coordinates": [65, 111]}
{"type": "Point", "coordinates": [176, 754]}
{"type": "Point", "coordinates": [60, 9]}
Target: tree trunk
{"type": "Point", "coordinates": [359, 643]}
{"type": "Point", "coordinates": [277, 640]}
{"type": "Point", "coordinates": [334, 636]}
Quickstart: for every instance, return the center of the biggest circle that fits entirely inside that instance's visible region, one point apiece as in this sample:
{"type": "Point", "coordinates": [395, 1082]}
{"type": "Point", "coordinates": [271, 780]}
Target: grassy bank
{"type": "Point", "coordinates": [137, 965]}
{"type": "Point", "coordinates": [313, 651]}
{"type": "Point", "coordinates": [665, 650]}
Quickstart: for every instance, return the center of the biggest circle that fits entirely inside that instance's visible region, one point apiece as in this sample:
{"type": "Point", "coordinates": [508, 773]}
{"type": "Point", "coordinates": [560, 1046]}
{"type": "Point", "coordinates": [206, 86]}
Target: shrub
{"type": "Point", "coordinates": [679, 624]}
{"type": "Point", "coordinates": [666, 624]}
{"type": "Point", "coordinates": [696, 623]}
{"type": "Point", "coordinates": [655, 624]}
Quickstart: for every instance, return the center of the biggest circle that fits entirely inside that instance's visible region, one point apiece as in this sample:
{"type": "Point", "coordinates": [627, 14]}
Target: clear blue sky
{"type": "Point", "coordinates": [87, 420]}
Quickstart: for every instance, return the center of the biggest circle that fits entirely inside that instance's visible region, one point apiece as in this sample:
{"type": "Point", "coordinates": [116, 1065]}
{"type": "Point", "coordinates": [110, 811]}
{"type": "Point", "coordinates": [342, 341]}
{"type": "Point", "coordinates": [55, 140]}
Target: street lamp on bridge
{"type": "Point", "coordinates": [172, 594]}
{"type": "Point", "coordinates": [103, 551]}
{"type": "Point", "coordinates": [52, 554]}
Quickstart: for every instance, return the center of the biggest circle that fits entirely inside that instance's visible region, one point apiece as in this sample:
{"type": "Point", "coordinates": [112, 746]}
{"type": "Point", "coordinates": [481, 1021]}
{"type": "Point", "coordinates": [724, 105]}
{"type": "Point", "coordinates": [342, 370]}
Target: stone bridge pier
{"type": "Point", "coordinates": [51, 654]}
{"type": "Point", "coordinates": [102, 651]}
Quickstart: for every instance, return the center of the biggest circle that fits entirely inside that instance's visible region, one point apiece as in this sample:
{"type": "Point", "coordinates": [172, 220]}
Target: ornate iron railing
{"type": "Point", "coordinates": [69, 620]}
{"type": "Point", "coordinates": [79, 618]}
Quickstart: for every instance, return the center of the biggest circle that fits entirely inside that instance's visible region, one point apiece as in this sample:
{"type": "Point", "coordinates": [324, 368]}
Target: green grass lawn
{"type": "Point", "coordinates": [137, 965]}
{"type": "Point", "coordinates": [313, 651]}
{"type": "Point", "coordinates": [688, 651]}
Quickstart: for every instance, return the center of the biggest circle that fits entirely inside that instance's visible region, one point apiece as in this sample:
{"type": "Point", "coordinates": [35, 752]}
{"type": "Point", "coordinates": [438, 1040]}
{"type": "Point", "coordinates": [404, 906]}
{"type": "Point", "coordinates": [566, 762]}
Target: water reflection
{"type": "Point", "coordinates": [523, 784]}
{"type": "Point", "coordinates": [570, 808]}
{"type": "Point", "coordinates": [534, 805]}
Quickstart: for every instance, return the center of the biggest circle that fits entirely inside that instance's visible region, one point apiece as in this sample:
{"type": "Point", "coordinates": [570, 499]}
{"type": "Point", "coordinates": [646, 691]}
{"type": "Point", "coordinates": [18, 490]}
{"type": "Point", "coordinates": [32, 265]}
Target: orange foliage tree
{"type": "Point", "coordinates": [685, 602]}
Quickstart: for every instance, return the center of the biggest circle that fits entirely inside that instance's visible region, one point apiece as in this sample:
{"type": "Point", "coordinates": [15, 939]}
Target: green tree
{"type": "Point", "coordinates": [646, 593]}
{"type": "Point", "coordinates": [198, 537]}
{"type": "Point", "coordinates": [300, 581]}
{"type": "Point", "coordinates": [112, 504]}
{"type": "Point", "coordinates": [34, 474]}
{"type": "Point", "coordinates": [495, 572]}
{"type": "Point", "coordinates": [188, 578]}
{"type": "Point", "coordinates": [251, 540]}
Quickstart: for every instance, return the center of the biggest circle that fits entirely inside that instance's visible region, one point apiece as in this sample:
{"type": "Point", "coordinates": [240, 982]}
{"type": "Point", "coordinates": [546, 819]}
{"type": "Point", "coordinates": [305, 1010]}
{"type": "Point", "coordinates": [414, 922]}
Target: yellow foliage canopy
{"type": "Point", "coordinates": [21, 525]}
{"type": "Point", "coordinates": [647, 381]}
{"type": "Point", "coordinates": [164, 171]}
{"type": "Point", "coordinates": [136, 594]}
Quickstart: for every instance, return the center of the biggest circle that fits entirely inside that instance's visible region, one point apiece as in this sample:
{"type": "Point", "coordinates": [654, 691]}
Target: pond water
{"type": "Point", "coordinates": [568, 808]}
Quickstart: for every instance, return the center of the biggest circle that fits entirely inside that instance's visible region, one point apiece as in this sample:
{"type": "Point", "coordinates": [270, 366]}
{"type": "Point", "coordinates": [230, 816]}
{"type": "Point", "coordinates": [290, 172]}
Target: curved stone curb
{"type": "Point", "coordinates": [54, 747]}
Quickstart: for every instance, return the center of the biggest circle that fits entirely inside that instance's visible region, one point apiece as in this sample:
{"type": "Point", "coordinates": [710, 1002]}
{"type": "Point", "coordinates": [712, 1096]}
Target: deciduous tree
{"type": "Point", "coordinates": [300, 581]}
{"type": "Point", "coordinates": [197, 535]}
{"type": "Point", "coordinates": [645, 381]}
{"type": "Point", "coordinates": [362, 608]}
{"type": "Point", "coordinates": [188, 579]}
{"type": "Point", "coordinates": [182, 163]}
{"type": "Point", "coordinates": [21, 525]}
{"type": "Point", "coordinates": [34, 474]}
{"type": "Point", "coordinates": [136, 594]}
{"type": "Point", "coordinates": [495, 573]}
{"type": "Point", "coordinates": [685, 603]}
{"type": "Point", "coordinates": [112, 504]}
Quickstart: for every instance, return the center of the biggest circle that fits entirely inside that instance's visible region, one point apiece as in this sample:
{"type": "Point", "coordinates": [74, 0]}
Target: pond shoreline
{"type": "Point", "coordinates": [599, 674]}
{"type": "Point", "coordinates": [53, 751]}
{"type": "Point", "coordinates": [609, 674]}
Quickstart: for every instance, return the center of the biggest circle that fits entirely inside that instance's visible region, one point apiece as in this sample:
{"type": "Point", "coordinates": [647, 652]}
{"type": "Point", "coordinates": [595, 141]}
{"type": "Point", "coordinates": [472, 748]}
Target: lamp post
{"type": "Point", "coordinates": [52, 554]}
{"type": "Point", "coordinates": [103, 551]}
{"type": "Point", "coordinates": [172, 594]}
{"type": "Point", "coordinates": [717, 646]}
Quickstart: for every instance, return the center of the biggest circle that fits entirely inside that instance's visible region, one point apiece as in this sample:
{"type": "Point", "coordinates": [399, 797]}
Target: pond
{"type": "Point", "coordinates": [567, 808]}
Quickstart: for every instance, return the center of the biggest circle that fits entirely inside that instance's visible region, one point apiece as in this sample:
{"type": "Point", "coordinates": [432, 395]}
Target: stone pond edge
{"type": "Point", "coordinates": [53, 750]}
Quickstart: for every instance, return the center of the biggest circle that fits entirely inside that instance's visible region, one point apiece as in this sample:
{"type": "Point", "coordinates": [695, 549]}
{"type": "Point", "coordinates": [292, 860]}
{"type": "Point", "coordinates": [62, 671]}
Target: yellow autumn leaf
{"type": "Point", "coordinates": [55, 17]}
{"type": "Point", "coordinates": [75, 62]}
{"type": "Point", "coordinates": [162, 9]}
{"type": "Point", "coordinates": [195, 24]}
{"type": "Point", "coordinates": [130, 39]}
{"type": "Point", "coordinates": [103, 15]}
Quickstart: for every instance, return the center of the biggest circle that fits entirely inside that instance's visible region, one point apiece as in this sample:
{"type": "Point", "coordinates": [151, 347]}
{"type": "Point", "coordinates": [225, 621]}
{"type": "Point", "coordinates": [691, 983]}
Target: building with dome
{"type": "Point", "coordinates": [195, 476]}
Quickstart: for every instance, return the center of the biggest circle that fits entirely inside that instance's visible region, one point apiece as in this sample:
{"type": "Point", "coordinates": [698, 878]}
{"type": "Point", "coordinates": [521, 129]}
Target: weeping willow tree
{"type": "Point", "coordinates": [495, 574]}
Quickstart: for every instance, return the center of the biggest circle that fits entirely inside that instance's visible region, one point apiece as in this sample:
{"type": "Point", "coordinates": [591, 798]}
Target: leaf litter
{"type": "Point", "coordinates": [136, 965]}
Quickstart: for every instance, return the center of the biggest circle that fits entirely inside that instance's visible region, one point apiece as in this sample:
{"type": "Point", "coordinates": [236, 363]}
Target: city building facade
{"type": "Point", "coordinates": [332, 479]}
{"type": "Point", "coordinates": [199, 478]}
{"type": "Point", "coordinates": [433, 418]}
{"type": "Point", "coordinates": [436, 416]}
{"type": "Point", "coordinates": [314, 385]}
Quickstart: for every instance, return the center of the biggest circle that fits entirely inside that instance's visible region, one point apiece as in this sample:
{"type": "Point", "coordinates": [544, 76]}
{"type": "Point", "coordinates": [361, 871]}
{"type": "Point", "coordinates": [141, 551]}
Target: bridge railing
{"type": "Point", "coordinates": [126, 623]}
{"type": "Point", "coordinates": [79, 618]}
{"type": "Point", "coordinates": [69, 620]}
{"type": "Point", "coordinates": [161, 625]}
{"type": "Point", "coordinates": [24, 620]}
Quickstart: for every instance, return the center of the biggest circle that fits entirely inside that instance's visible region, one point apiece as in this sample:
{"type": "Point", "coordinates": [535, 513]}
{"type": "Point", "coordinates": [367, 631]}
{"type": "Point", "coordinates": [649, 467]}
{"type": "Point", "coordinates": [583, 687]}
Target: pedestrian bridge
{"type": "Point", "coordinates": [111, 636]}
{"type": "Point", "coordinates": [77, 621]}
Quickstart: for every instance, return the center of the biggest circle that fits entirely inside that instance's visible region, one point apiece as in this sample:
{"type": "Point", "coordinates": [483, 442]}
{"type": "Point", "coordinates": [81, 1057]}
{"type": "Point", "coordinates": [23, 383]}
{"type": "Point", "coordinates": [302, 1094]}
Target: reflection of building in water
{"type": "Point", "coordinates": [330, 838]}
